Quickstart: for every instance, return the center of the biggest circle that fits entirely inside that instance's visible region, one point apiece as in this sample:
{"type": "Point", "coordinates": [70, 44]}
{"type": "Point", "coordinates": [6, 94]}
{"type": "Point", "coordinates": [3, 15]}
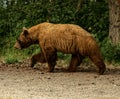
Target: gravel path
{"type": "Point", "coordinates": [19, 81]}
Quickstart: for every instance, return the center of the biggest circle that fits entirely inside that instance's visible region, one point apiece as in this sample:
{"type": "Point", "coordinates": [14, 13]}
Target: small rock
{"type": "Point", "coordinates": [79, 84]}
{"type": "Point", "coordinates": [49, 78]}
{"type": "Point", "coordinates": [42, 73]}
{"type": "Point", "coordinates": [28, 89]}
{"type": "Point", "coordinates": [1, 78]}
{"type": "Point", "coordinates": [95, 76]}
{"type": "Point", "coordinates": [93, 83]}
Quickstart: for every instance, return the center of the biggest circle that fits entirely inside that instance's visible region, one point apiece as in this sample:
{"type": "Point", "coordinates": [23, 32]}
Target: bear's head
{"type": "Point", "coordinates": [24, 40]}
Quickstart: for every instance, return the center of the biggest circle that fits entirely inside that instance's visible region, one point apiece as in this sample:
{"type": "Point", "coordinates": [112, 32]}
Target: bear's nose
{"type": "Point", "coordinates": [17, 45]}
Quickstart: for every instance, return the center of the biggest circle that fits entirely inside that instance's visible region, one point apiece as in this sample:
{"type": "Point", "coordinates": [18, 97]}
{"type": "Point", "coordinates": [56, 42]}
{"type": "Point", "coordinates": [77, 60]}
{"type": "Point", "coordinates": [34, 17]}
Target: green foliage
{"type": "Point", "coordinates": [94, 18]}
{"type": "Point", "coordinates": [10, 59]}
{"type": "Point", "coordinates": [15, 14]}
{"type": "Point", "coordinates": [64, 56]}
{"type": "Point", "coordinates": [110, 52]}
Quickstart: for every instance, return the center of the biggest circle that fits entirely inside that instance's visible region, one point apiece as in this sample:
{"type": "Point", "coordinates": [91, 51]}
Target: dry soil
{"type": "Point", "coordinates": [20, 81]}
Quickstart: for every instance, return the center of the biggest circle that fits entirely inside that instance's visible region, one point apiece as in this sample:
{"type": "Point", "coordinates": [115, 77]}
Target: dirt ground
{"type": "Point", "coordinates": [19, 81]}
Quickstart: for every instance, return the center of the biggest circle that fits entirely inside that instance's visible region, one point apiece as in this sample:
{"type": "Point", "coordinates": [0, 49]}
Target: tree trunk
{"type": "Point", "coordinates": [114, 18]}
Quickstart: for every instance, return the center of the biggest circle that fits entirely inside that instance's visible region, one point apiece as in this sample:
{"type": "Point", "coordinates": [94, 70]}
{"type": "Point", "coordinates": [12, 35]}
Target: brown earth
{"type": "Point", "coordinates": [19, 81]}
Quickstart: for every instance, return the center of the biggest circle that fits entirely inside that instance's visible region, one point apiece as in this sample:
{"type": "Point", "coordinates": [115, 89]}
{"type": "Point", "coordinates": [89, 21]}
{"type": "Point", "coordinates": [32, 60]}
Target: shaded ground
{"type": "Point", "coordinates": [19, 81]}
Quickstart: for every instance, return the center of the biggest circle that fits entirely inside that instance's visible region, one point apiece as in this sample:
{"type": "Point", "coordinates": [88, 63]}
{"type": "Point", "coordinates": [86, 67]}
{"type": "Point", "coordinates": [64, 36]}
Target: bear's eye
{"type": "Point", "coordinates": [18, 41]}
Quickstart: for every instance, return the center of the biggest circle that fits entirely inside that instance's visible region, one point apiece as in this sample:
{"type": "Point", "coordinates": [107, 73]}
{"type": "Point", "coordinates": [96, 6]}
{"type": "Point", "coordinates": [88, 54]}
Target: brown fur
{"type": "Point", "coordinates": [37, 58]}
{"type": "Point", "coordinates": [66, 38]}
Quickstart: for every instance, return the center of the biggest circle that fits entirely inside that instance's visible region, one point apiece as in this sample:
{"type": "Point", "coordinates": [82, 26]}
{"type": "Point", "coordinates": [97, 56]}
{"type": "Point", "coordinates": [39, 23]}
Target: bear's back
{"type": "Point", "coordinates": [63, 36]}
{"type": "Point", "coordinates": [63, 29]}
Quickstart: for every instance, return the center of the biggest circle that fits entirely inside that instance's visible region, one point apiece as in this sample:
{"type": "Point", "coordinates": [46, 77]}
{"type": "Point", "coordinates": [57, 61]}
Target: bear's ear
{"type": "Point", "coordinates": [25, 31]}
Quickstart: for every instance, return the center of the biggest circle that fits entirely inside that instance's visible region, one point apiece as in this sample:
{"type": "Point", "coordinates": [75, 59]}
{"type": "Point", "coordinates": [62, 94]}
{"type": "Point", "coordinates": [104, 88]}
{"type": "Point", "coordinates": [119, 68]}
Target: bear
{"type": "Point", "coordinates": [66, 38]}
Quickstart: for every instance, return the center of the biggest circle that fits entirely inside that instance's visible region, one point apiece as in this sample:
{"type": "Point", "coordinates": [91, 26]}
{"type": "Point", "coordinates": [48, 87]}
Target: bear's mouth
{"type": "Point", "coordinates": [17, 45]}
{"type": "Point", "coordinates": [21, 45]}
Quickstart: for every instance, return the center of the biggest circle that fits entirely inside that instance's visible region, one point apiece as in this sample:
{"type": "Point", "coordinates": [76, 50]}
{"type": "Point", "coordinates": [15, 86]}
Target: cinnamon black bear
{"type": "Point", "coordinates": [66, 38]}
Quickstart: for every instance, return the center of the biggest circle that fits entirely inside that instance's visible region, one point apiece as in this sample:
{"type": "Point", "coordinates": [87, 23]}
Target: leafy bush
{"type": "Point", "coordinates": [110, 52]}
{"type": "Point", "coordinates": [92, 16]}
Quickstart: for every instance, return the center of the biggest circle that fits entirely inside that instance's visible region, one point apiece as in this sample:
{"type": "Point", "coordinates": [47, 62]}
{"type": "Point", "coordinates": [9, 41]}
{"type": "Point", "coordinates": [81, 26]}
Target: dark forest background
{"type": "Point", "coordinates": [92, 15]}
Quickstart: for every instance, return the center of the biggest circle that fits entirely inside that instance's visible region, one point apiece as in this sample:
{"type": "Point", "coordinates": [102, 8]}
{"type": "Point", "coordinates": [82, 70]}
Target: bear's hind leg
{"type": "Point", "coordinates": [98, 61]}
{"type": "Point", "coordinates": [75, 61]}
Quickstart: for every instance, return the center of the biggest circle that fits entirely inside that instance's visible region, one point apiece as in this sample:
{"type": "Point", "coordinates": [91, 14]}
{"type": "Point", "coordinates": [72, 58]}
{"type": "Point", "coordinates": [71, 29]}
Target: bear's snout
{"type": "Point", "coordinates": [17, 45]}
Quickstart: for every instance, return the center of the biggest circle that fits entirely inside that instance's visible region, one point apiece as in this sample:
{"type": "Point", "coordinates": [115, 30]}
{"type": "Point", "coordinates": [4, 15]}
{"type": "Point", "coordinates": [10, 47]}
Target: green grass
{"type": "Point", "coordinates": [11, 58]}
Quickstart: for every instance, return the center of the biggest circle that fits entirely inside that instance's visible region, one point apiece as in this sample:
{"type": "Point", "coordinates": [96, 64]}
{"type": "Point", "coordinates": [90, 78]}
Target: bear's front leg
{"type": "Point", "coordinates": [52, 62]}
{"type": "Point", "coordinates": [75, 61]}
{"type": "Point", "coordinates": [51, 57]}
{"type": "Point", "coordinates": [37, 58]}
